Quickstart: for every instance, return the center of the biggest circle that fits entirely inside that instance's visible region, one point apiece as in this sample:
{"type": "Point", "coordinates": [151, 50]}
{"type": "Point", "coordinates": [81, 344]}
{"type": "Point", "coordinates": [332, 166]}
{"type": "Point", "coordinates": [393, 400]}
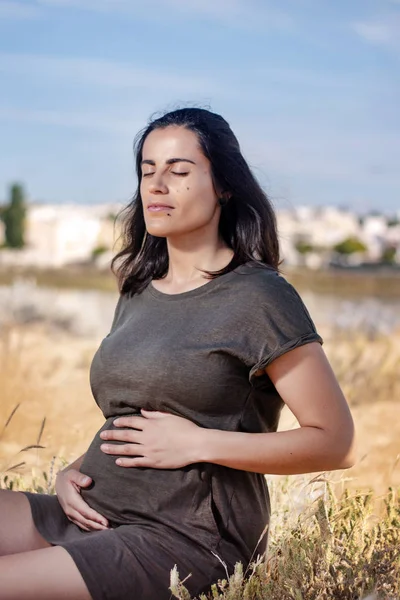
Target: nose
{"type": "Point", "coordinates": [157, 185]}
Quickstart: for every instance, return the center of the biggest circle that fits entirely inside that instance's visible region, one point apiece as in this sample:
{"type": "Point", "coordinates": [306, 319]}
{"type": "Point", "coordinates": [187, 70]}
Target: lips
{"type": "Point", "coordinates": [159, 207]}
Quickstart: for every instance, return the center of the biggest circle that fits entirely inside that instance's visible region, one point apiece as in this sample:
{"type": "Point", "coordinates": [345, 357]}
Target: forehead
{"type": "Point", "coordinates": [169, 142]}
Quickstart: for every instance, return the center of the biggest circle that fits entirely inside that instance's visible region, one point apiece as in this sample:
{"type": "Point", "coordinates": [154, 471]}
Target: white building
{"type": "Point", "coordinates": [321, 227]}
{"type": "Point", "coordinates": [60, 234]}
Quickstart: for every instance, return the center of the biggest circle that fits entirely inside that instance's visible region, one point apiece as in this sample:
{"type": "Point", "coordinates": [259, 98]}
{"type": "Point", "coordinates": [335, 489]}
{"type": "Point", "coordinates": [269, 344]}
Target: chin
{"type": "Point", "coordinates": [158, 231]}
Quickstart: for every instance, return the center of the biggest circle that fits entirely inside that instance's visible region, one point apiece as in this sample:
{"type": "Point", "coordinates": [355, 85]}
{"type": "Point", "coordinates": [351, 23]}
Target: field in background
{"type": "Point", "coordinates": [44, 372]}
{"type": "Point", "coordinates": [324, 543]}
{"type": "Point", "coordinates": [382, 283]}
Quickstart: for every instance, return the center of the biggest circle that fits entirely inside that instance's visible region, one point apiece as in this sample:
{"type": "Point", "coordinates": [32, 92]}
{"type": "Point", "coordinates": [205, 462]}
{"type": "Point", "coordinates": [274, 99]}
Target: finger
{"type": "Point", "coordinates": [122, 435]}
{"type": "Point", "coordinates": [86, 523]}
{"type": "Point", "coordinates": [80, 525]}
{"type": "Point", "coordinates": [92, 515]}
{"type": "Point", "coordinates": [93, 526]}
{"type": "Point", "coordinates": [134, 422]}
{"type": "Point", "coordinates": [80, 479]}
{"type": "Point", "coordinates": [154, 414]}
{"type": "Point", "coordinates": [140, 461]}
{"type": "Point", "coordinates": [122, 449]}
{"type": "Point", "coordinates": [84, 509]}
{"type": "Point", "coordinates": [89, 525]}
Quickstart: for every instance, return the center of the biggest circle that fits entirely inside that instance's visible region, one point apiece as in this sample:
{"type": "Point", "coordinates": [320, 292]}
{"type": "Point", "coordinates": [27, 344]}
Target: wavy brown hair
{"type": "Point", "coordinates": [247, 224]}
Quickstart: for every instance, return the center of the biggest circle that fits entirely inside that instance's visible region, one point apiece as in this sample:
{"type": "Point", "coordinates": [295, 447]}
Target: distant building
{"type": "Point", "coordinates": [62, 234]}
{"type": "Point", "coordinates": [57, 235]}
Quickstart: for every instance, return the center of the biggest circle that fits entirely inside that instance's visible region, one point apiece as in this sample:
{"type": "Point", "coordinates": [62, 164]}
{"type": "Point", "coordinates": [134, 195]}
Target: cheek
{"type": "Point", "coordinates": [197, 197]}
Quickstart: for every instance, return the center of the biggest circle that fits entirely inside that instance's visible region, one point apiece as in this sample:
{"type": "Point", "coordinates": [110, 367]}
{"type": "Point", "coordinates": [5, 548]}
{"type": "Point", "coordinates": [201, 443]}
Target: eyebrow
{"type": "Point", "coordinates": [170, 161]}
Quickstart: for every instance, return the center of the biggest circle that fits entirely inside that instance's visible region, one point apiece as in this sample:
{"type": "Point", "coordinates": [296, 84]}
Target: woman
{"type": "Point", "coordinates": [208, 342]}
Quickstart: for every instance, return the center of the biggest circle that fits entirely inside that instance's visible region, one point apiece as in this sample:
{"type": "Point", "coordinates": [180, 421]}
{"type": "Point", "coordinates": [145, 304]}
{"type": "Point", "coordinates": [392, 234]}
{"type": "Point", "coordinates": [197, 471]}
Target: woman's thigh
{"type": "Point", "coordinates": [17, 529]}
{"type": "Point", "coordinates": [48, 574]}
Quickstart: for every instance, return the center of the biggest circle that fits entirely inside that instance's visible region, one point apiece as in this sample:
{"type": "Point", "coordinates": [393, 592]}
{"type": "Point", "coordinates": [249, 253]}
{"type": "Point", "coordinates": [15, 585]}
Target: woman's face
{"type": "Point", "coordinates": [176, 178]}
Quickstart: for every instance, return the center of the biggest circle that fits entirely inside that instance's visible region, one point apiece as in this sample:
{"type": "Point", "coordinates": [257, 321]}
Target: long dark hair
{"type": "Point", "coordinates": [247, 223]}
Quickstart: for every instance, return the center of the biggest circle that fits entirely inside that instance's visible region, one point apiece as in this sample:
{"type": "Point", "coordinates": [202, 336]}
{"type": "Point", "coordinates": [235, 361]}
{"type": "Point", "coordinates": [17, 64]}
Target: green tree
{"type": "Point", "coordinates": [389, 255]}
{"type": "Point", "coordinates": [350, 245]}
{"type": "Point", "coordinates": [98, 251]}
{"type": "Point", "coordinates": [13, 216]}
{"type": "Point", "coordinates": [303, 247]}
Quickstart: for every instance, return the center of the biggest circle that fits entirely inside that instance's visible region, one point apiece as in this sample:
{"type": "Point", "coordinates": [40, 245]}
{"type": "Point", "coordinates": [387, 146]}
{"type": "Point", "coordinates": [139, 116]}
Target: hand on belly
{"type": "Point", "coordinates": [155, 439]}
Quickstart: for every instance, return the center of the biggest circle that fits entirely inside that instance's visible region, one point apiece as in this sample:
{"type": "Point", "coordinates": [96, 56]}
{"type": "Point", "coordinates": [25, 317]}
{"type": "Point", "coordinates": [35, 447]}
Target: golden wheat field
{"type": "Point", "coordinates": [44, 375]}
{"type": "Point", "coordinates": [333, 536]}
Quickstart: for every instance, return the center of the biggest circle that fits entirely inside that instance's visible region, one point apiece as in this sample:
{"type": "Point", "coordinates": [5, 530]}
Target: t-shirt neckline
{"type": "Point", "coordinates": [203, 289]}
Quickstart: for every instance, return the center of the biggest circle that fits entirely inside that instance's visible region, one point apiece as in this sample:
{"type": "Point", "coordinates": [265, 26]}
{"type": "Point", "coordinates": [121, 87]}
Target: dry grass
{"type": "Point", "coordinates": [337, 549]}
{"type": "Point", "coordinates": [44, 372]}
{"type": "Point", "coordinates": [342, 546]}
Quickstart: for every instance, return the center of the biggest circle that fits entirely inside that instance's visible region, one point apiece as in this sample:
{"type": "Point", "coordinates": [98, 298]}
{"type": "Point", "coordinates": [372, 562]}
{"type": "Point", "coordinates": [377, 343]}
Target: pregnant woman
{"type": "Point", "coordinates": [208, 342]}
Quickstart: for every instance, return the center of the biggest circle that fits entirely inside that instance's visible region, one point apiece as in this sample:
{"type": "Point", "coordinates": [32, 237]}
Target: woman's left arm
{"type": "Point", "coordinates": [305, 381]}
{"type": "Point", "coordinates": [325, 440]}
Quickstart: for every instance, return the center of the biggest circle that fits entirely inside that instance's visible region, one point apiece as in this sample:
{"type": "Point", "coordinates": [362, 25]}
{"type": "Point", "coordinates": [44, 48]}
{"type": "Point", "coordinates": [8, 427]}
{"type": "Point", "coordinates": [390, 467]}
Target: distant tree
{"type": "Point", "coordinates": [13, 216]}
{"type": "Point", "coordinates": [98, 250]}
{"type": "Point", "coordinates": [303, 247]}
{"type": "Point", "coordinates": [389, 255]}
{"type": "Point", "coordinates": [374, 212]}
{"type": "Point", "coordinates": [393, 221]}
{"type": "Point", "coordinates": [350, 245]}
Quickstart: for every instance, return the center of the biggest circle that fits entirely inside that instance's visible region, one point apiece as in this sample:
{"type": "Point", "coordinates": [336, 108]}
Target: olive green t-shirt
{"type": "Point", "coordinates": [195, 354]}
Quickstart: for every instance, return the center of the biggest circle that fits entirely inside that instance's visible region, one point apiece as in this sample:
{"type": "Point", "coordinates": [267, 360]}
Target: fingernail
{"type": "Point", "coordinates": [104, 447]}
{"type": "Point", "coordinates": [116, 422]}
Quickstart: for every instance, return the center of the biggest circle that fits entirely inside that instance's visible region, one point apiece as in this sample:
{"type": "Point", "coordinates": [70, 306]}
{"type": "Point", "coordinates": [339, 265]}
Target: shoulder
{"type": "Point", "coordinates": [267, 296]}
{"type": "Point", "coordinates": [264, 282]}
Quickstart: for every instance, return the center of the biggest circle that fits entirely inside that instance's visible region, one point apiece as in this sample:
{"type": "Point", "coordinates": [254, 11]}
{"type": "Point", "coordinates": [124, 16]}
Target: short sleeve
{"type": "Point", "coordinates": [280, 322]}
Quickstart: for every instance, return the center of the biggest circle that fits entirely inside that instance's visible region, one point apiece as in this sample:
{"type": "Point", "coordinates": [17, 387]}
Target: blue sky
{"type": "Point", "coordinates": [310, 87]}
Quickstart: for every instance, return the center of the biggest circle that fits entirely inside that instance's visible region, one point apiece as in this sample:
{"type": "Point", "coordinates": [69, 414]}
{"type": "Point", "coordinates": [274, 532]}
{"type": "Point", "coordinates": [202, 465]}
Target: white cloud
{"type": "Point", "coordinates": [18, 10]}
{"type": "Point", "coordinates": [384, 31]}
{"type": "Point", "coordinates": [96, 72]}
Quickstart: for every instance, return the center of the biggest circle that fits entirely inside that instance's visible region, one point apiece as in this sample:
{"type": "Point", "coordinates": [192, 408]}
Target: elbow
{"type": "Point", "coordinates": [348, 461]}
{"type": "Point", "coordinates": [348, 455]}
{"type": "Point", "coordinates": [343, 450]}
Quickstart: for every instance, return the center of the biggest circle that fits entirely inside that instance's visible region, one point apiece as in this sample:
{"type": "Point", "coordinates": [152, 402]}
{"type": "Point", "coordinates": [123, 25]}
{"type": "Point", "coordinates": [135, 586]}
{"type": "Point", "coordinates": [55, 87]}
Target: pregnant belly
{"type": "Point", "coordinates": [181, 498]}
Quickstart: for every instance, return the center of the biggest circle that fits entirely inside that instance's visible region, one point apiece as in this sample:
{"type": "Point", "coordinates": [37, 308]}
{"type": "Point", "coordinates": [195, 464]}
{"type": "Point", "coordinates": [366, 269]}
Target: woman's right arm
{"type": "Point", "coordinates": [69, 482]}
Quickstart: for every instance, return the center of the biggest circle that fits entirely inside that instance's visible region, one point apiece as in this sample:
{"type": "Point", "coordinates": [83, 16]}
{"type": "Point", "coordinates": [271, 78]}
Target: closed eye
{"type": "Point", "coordinates": [173, 172]}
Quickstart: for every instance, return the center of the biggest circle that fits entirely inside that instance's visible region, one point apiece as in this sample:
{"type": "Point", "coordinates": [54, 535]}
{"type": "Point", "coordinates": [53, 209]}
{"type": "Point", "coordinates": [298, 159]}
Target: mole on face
{"type": "Point", "coordinates": [188, 188]}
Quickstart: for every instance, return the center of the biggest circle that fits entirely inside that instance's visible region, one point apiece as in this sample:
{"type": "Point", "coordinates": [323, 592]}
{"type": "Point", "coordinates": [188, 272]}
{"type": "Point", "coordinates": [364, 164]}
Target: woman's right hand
{"type": "Point", "coordinates": [68, 485]}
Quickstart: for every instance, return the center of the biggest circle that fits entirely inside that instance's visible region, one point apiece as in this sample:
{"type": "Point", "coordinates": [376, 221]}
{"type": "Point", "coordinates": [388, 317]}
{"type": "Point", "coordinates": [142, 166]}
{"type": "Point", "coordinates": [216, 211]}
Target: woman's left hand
{"type": "Point", "coordinates": [156, 439]}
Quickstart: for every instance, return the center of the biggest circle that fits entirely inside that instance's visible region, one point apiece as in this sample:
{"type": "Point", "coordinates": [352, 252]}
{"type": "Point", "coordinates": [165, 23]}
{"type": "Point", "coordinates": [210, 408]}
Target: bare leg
{"type": "Point", "coordinates": [17, 530]}
{"type": "Point", "coordinates": [48, 574]}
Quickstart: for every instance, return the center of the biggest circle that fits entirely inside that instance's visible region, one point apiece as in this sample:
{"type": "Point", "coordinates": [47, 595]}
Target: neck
{"type": "Point", "coordinates": [188, 254]}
